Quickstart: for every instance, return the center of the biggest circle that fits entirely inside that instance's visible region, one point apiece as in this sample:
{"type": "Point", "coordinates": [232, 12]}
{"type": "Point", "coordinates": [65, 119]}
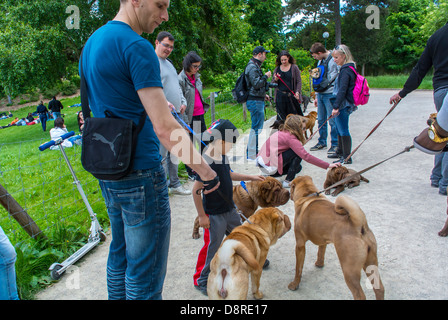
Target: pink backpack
{"type": "Point", "coordinates": [361, 91]}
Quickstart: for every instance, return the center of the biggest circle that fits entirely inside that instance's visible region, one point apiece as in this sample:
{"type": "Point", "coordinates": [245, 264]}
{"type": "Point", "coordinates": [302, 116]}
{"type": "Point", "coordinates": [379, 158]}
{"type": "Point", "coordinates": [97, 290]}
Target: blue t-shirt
{"type": "Point", "coordinates": [116, 63]}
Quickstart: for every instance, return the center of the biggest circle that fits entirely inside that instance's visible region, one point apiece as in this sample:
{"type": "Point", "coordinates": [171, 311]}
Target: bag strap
{"type": "Point", "coordinates": [85, 100]}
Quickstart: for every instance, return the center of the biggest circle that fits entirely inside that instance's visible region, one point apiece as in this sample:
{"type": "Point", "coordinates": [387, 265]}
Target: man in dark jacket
{"type": "Point", "coordinates": [435, 54]}
{"type": "Point", "coordinates": [55, 107]}
{"type": "Point", "coordinates": [258, 85]}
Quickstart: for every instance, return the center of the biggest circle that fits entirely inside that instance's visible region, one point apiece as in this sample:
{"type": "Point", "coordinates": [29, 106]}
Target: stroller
{"type": "Point", "coordinates": [96, 232]}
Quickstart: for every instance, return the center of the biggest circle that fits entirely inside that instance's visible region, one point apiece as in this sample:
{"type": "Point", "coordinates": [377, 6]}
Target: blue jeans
{"type": "Point", "coordinates": [56, 115]}
{"type": "Point", "coordinates": [256, 109]}
{"type": "Point", "coordinates": [8, 285]}
{"type": "Point", "coordinates": [342, 121]}
{"type": "Point", "coordinates": [140, 218]}
{"type": "Point", "coordinates": [43, 121]}
{"type": "Point", "coordinates": [324, 109]}
{"type": "Point", "coordinates": [439, 174]}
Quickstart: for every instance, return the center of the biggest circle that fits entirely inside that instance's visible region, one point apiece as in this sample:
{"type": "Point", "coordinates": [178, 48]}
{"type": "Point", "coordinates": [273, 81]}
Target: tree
{"type": "Point", "coordinates": [326, 11]}
{"type": "Point", "coordinates": [405, 44]}
{"type": "Point", "coordinates": [365, 44]}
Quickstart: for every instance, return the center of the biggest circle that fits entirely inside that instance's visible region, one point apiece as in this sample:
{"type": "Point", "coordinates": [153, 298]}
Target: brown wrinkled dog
{"type": "Point", "coordinates": [339, 173]}
{"type": "Point", "coordinates": [311, 120]}
{"type": "Point", "coordinates": [342, 223]}
{"type": "Point", "coordinates": [266, 193]}
{"type": "Point", "coordinates": [244, 251]}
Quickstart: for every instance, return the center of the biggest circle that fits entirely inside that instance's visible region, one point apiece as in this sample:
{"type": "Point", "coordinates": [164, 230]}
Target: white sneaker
{"type": "Point", "coordinates": [180, 190]}
{"type": "Point", "coordinates": [285, 184]}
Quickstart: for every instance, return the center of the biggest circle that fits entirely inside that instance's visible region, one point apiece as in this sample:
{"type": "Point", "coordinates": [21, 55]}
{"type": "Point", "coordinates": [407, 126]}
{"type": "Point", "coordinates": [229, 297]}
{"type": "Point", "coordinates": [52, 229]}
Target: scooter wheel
{"type": "Point", "coordinates": [102, 236]}
{"type": "Point", "coordinates": [54, 273]}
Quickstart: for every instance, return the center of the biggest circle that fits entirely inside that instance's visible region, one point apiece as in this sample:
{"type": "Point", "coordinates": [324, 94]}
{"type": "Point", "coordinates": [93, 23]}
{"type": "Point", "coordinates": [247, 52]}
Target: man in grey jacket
{"type": "Point", "coordinates": [324, 105]}
{"type": "Point", "coordinates": [173, 93]}
{"type": "Point", "coordinates": [258, 86]}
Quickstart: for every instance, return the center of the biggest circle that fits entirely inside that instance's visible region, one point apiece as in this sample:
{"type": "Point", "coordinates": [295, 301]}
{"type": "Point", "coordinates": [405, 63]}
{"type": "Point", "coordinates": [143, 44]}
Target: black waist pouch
{"type": "Point", "coordinates": [108, 146]}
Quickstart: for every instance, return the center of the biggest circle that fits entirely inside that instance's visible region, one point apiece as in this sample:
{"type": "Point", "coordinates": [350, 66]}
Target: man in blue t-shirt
{"type": "Point", "coordinates": [123, 76]}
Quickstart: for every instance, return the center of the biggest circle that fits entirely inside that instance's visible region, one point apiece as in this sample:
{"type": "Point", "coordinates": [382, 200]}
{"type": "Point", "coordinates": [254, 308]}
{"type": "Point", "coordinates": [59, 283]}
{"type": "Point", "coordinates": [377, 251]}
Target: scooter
{"type": "Point", "coordinates": [96, 232]}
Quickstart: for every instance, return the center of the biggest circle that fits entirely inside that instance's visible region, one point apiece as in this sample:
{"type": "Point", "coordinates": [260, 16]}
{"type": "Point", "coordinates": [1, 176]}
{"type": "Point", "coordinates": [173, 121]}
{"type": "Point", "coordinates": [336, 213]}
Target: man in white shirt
{"type": "Point", "coordinates": [173, 93]}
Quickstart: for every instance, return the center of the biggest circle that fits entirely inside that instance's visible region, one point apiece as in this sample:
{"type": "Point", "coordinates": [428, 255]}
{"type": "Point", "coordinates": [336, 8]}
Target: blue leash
{"type": "Point", "coordinates": [187, 126]}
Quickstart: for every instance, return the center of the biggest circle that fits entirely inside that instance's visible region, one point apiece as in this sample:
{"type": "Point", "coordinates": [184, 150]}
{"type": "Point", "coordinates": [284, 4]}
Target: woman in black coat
{"type": "Point", "coordinates": [344, 104]}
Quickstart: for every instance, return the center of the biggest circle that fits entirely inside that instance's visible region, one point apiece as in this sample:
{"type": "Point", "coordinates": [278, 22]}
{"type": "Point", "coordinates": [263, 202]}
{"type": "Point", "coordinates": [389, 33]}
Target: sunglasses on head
{"type": "Point", "coordinates": [339, 48]}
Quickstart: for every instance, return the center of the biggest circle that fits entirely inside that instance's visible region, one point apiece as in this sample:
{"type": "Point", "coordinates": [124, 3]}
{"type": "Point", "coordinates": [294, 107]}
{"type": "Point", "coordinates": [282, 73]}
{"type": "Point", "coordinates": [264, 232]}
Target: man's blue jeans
{"type": "Point", "coordinates": [8, 285]}
{"type": "Point", "coordinates": [140, 218]}
{"type": "Point", "coordinates": [256, 109]}
{"type": "Point", "coordinates": [324, 109]}
{"type": "Point", "coordinates": [439, 174]}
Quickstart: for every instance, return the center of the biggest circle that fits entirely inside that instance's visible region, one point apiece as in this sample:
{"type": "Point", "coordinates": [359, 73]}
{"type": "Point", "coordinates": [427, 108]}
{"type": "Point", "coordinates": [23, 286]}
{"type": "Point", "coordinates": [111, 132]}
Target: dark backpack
{"type": "Point", "coordinates": [322, 83]}
{"type": "Point", "coordinates": [241, 90]}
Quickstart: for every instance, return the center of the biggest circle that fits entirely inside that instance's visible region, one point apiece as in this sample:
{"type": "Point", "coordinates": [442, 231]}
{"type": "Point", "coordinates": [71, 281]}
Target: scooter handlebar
{"type": "Point", "coordinates": [59, 140]}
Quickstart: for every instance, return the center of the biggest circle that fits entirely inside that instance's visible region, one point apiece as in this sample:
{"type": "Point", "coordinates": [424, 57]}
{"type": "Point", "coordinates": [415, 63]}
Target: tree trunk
{"type": "Point", "coordinates": [18, 213]}
{"type": "Point", "coordinates": [337, 22]}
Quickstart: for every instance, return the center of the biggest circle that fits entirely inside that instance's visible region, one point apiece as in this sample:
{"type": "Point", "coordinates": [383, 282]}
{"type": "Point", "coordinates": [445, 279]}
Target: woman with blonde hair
{"type": "Point", "coordinates": [283, 152]}
{"type": "Point", "coordinates": [344, 104]}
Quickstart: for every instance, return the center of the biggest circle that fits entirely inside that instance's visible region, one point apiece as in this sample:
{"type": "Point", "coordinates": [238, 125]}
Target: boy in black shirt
{"type": "Point", "coordinates": [216, 211]}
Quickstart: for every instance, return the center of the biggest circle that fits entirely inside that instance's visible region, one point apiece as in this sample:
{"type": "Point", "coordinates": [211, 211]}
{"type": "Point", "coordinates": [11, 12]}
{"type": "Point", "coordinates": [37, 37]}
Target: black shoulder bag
{"type": "Point", "coordinates": [108, 144]}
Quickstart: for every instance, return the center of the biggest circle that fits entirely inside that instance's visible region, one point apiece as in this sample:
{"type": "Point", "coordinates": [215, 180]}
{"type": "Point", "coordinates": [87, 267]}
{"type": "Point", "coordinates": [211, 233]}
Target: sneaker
{"type": "Point", "coordinates": [180, 190]}
{"type": "Point", "coordinates": [332, 150]}
{"type": "Point", "coordinates": [442, 191]}
{"type": "Point", "coordinates": [434, 184]}
{"type": "Point", "coordinates": [318, 147]}
{"type": "Point", "coordinates": [285, 184]}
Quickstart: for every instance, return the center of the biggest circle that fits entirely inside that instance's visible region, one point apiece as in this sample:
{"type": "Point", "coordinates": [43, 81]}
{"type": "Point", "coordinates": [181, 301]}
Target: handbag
{"type": "Point", "coordinates": [108, 144]}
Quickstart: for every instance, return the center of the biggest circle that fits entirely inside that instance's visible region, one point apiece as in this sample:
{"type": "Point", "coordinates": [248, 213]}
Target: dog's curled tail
{"type": "Point", "coordinates": [347, 206]}
{"type": "Point", "coordinates": [227, 253]}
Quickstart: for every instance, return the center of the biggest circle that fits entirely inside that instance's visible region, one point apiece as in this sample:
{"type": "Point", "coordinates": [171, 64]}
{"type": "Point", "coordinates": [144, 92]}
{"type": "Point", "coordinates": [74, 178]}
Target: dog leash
{"type": "Point", "coordinates": [372, 131]}
{"type": "Point", "coordinates": [188, 127]}
{"type": "Point", "coordinates": [330, 117]}
{"type": "Point", "coordinates": [357, 174]}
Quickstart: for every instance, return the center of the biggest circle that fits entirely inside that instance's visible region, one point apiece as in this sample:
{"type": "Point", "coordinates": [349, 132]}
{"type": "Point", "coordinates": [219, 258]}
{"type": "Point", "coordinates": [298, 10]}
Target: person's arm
{"type": "Point", "coordinates": [255, 80]}
{"type": "Point", "coordinates": [417, 74]}
{"type": "Point", "coordinates": [235, 176]}
{"type": "Point", "coordinates": [204, 221]}
{"type": "Point", "coordinates": [298, 148]}
{"type": "Point", "coordinates": [171, 134]}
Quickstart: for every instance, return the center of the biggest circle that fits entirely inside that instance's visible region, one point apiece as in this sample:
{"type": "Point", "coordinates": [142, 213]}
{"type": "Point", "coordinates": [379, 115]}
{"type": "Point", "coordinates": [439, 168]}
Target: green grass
{"type": "Point", "coordinates": [41, 183]}
{"type": "Point", "coordinates": [396, 82]}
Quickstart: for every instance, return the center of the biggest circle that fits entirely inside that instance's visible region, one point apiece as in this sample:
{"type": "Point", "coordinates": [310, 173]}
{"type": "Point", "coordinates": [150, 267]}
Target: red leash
{"type": "Point", "coordinates": [278, 76]}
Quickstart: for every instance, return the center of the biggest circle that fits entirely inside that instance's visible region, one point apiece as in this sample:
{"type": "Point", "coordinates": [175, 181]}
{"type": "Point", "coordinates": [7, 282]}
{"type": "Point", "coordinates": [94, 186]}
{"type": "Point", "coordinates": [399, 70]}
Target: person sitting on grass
{"type": "Point", "coordinates": [59, 130]}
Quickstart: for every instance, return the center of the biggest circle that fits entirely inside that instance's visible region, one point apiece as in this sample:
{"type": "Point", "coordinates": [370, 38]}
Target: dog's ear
{"type": "Point", "coordinates": [292, 186]}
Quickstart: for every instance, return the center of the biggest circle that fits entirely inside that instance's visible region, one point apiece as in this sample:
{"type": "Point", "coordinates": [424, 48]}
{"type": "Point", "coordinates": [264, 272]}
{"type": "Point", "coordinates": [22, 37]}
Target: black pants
{"type": "Point", "coordinates": [291, 165]}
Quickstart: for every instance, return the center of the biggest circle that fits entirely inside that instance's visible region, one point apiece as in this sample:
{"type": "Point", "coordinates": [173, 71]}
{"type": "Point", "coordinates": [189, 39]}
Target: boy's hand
{"type": "Point", "coordinates": [258, 178]}
{"type": "Point", "coordinates": [204, 221]}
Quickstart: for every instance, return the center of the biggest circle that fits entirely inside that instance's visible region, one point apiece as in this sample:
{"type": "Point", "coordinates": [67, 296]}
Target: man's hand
{"type": "Point", "coordinates": [395, 98]}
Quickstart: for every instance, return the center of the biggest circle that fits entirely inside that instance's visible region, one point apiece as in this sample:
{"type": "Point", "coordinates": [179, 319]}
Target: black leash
{"type": "Point", "coordinates": [372, 131]}
{"type": "Point", "coordinates": [357, 174]}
